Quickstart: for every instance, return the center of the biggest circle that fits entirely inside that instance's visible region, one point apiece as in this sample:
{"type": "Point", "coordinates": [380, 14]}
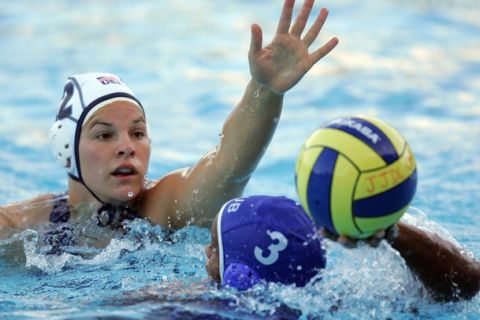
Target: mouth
{"type": "Point", "coordinates": [124, 171]}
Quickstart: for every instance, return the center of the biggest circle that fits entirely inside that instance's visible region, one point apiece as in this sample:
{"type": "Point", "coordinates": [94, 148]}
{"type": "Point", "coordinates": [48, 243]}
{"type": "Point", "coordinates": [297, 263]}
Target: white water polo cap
{"type": "Point", "coordinates": [83, 95]}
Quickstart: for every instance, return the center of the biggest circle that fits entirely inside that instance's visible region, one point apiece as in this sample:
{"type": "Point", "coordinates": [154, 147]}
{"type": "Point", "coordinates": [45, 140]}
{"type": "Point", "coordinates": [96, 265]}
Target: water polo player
{"type": "Point", "coordinates": [263, 238]}
{"type": "Point", "coordinates": [271, 239]}
{"type": "Point", "coordinates": [101, 138]}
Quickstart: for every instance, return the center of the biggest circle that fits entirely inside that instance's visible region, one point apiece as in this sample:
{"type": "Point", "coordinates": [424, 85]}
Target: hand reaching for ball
{"type": "Point", "coordinates": [388, 234]}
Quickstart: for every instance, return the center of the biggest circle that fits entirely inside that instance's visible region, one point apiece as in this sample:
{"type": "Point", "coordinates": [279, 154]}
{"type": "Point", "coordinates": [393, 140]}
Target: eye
{"type": "Point", "coordinates": [139, 134]}
{"type": "Point", "coordinates": [104, 136]}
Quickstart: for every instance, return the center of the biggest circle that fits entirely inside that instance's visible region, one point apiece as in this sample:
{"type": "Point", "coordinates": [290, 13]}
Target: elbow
{"type": "Point", "coordinates": [236, 179]}
{"type": "Point", "coordinates": [236, 171]}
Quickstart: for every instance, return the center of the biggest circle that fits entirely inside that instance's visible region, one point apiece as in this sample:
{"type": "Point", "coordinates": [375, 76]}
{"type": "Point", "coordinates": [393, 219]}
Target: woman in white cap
{"type": "Point", "coordinates": [102, 139]}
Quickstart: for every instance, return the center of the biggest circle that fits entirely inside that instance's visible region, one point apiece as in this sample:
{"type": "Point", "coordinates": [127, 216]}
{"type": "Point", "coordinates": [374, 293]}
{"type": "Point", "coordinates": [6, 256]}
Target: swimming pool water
{"type": "Point", "coordinates": [414, 64]}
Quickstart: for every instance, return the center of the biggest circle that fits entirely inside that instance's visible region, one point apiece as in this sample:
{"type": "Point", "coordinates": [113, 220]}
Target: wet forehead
{"type": "Point", "coordinates": [119, 109]}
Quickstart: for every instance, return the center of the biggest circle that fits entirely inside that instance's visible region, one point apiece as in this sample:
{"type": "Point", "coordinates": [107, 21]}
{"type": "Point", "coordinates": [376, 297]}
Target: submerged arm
{"type": "Point", "coordinates": [443, 268]}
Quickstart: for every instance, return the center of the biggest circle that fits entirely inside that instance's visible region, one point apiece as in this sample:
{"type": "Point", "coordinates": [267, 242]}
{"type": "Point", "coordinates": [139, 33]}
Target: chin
{"type": "Point", "coordinates": [122, 196]}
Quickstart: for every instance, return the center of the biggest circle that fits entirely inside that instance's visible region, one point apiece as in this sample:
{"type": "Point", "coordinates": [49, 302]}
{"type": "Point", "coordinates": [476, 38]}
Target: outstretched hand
{"type": "Point", "coordinates": [282, 63]}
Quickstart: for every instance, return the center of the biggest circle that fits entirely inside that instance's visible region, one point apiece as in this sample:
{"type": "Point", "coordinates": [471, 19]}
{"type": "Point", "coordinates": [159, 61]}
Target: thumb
{"type": "Point", "coordinates": [256, 39]}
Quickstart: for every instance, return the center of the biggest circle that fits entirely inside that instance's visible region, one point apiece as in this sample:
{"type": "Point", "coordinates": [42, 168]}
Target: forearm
{"type": "Point", "coordinates": [7, 232]}
{"type": "Point", "coordinates": [223, 173]}
{"type": "Point", "coordinates": [247, 132]}
{"type": "Point", "coordinates": [6, 224]}
{"type": "Point", "coordinates": [26, 214]}
{"type": "Point", "coordinates": [447, 272]}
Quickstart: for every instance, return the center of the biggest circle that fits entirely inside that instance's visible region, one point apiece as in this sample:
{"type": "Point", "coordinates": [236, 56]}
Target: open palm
{"type": "Point", "coordinates": [282, 63]}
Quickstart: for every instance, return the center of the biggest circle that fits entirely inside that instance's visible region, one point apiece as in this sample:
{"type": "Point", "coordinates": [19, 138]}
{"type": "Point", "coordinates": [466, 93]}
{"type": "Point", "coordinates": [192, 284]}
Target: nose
{"type": "Point", "coordinates": [126, 147]}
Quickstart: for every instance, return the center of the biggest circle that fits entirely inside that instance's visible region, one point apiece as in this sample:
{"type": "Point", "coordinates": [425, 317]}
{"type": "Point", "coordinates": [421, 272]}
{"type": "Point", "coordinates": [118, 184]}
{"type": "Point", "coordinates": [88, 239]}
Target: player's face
{"type": "Point", "coordinates": [114, 152]}
{"type": "Point", "coordinates": [212, 253]}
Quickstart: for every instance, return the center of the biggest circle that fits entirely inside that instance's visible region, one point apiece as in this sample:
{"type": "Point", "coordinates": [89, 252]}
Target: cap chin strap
{"type": "Point", "coordinates": [113, 215]}
{"type": "Point", "coordinates": [110, 214]}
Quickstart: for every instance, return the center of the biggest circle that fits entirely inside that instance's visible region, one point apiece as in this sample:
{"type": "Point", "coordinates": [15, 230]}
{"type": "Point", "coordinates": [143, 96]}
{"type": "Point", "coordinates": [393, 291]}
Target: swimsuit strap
{"type": "Point", "coordinates": [61, 209]}
{"type": "Point", "coordinates": [61, 234]}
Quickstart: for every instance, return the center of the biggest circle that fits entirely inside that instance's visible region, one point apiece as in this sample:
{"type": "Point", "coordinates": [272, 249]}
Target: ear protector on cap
{"type": "Point", "coordinates": [240, 276]}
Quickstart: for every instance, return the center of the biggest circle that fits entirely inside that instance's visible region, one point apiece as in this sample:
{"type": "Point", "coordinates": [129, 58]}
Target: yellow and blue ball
{"type": "Point", "coordinates": [355, 175]}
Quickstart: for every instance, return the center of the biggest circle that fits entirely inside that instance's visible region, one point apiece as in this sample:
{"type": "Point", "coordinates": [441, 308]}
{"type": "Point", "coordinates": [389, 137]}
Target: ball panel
{"type": "Point", "coordinates": [352, 148]}
{"type": "Point", "coordinates": [377, 181]}
{"type": "Point", "coordinates": [393, 135]}
{"type": "Point", "coordinates": [367, 132]}
{"type": "Point", "coordinates": [343, 185]}
{"type": "Point", "coordinates": [369, 226]}
{"type": "Point", "coordinates": [387, 202]}
{"type": "Point", "coordinates": [319, 188]}
{"type": "Point", "coordinates": [303, 170]}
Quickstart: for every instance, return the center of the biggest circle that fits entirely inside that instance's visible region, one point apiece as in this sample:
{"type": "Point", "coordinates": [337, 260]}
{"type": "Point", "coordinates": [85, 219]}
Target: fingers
{"type": "Point", "coordinates": [380, 234]}
{"type": "Point", "coordinates": [347, 242]}
{"type": "Point", "coordinates": [256, 39]}
{"type": "Point", "coordinates": [343, 240]}
{"type": "Point", "coordinates": [302, 18]}
{"type": "Point", "coordinates": [324, 50]}
{"type": "Point", "coordinates": [285, 17]}
{"type": "Point", "coordinates": [327, 234]}
{"type": "Point", "coordinates": [315, 28]}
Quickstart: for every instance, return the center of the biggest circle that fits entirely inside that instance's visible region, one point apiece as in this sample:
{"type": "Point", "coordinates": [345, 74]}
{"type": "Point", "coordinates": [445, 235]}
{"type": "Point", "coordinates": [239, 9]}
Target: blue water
{"type": "Point", "coordinates": [414, 64]}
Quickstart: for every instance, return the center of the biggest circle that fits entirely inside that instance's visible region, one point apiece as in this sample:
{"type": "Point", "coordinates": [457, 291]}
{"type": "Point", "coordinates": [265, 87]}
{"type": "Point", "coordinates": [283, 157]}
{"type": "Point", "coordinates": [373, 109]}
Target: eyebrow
{"type": "Point", "coordinates": [108, 124]}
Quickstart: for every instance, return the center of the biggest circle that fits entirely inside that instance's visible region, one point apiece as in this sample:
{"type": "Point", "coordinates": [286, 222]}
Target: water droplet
{"type": "Point", "coordinates": [256, 93]}
{"type": "Point", "coordinates": [130, 194]}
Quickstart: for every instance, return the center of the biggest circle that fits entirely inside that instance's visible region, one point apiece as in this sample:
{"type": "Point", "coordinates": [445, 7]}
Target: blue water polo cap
{"type": "Point", "coordinates": [267, 238]}
{"type": "Point", "coordinates": [83, 95]}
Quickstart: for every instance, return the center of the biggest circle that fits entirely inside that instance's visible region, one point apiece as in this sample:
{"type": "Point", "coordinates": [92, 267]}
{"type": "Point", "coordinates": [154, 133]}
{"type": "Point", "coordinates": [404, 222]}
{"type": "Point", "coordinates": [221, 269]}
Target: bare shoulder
{"type": "Point", "coordinates": [27, 213]}
{"type": "Point", "coordinates": [160, 203]}
{"type": "Point", "coordinates": [187, 196]}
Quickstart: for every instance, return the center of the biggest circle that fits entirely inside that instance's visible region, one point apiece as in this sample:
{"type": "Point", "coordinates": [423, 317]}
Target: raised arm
{"type": "Point", "coordinates": [224, 172]}
{"type": "Point", "coordinates": [444, 269]}
{"type": "Point", "coordinates": [275, 69]}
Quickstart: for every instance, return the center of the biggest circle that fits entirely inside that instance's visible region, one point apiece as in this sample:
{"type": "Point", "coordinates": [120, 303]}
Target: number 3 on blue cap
{"type": "Point", "coordinates": [273, 248]}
